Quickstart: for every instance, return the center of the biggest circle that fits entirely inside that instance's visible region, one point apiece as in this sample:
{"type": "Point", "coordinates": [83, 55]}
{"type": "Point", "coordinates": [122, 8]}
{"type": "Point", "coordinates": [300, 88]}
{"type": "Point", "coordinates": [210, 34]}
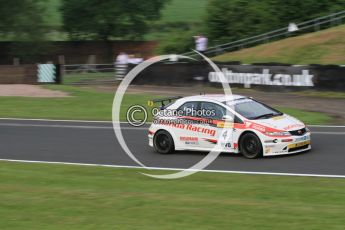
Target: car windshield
{"type": "Point", "coordinates": [252, 110]}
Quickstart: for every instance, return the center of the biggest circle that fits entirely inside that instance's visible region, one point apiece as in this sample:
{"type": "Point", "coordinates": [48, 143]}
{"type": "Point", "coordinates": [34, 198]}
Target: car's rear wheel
{"type": "Point", "coordinates": [163, 142]}
{"type": "Point", "coordinates": [250, 146]}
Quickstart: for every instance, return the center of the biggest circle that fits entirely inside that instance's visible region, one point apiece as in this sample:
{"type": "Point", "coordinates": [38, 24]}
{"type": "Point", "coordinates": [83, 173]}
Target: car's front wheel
{"type": "Point", "coordinates": [163, 142]}
{"type": "Point", "coordinates": [250, 146]}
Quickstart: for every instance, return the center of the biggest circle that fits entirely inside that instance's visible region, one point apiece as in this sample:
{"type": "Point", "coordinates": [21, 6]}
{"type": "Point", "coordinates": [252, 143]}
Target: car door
{"type": "Point", "coordinates": [188, 118]}
{"type": "Point", "coordinates": [219, 120]}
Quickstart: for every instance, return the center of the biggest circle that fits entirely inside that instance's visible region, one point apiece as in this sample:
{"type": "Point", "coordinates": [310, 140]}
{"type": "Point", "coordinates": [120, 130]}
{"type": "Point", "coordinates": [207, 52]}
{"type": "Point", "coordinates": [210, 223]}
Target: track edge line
{"type": "Point", "coordinates": [175, 169]}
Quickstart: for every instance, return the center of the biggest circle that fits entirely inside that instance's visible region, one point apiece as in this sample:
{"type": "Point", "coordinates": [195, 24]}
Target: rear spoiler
{"type": "Point", "coordinates": [163, 100]}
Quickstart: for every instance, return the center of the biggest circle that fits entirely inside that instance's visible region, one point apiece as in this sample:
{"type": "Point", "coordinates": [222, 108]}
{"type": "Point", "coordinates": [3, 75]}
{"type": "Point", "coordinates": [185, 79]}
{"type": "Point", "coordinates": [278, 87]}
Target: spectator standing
{"type": "Point", "coordinates": [292, 27]}
{"type": "Point", "coordinates": [122, 58]}
{"type": "Point", "coordinates": [121, 65]}
{"type": "Point", "coordinates": [201, 43]}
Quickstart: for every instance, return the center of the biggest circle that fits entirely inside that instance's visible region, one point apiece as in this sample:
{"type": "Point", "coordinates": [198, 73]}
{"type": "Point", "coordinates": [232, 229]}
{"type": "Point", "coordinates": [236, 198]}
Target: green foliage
{"type": "Point", "coordinates": [53, 16]}
{"type": "Point", "coordinates": [229, 20]}
{"type": "Point", "coordinates": [189, 11]}
{"type": "Point", "coordinates": [298, 11]}
{"type": "Point", "coordinates": [21, 20]}
{"type": "Point", "coordinates": [107, 19]}
{"type": "Point", "coordinates": [177, 42]}
{"type": "Point", "coordinates": [89, 104]}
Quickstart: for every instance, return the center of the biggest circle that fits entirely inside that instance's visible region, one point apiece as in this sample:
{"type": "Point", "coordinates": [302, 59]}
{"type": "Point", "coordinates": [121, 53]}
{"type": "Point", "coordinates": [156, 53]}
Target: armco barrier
{"type": "Point", "coordinates": [30, 74]}
{"type": "Point", "coordinates": [22, 74]}
{"type": "Point", "coordinates": [275, 76]}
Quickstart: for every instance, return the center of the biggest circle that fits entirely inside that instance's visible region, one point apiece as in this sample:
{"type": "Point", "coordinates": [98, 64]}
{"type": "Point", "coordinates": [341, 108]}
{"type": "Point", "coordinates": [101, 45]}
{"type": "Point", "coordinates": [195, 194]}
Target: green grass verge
{"type": "Point", "coordinates": [307, 117]}
{"type": "Point", "coordinates": [324, 47]}
{"type": "Point", "coordinates": [322, 94]}
{"type": "Point", "coordinates": [89, 104]}
{"type": "Point", "coordinates": [41, 196]}
{"type": "Point", "coordinates": [83, 104]}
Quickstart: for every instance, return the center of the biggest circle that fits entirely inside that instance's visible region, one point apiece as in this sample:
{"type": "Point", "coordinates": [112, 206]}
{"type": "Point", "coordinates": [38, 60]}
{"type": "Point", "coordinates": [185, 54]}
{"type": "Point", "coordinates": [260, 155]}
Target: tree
{"type": "Point", "coordinates": [299, 11]}
{"type": "Point", "coordinates": [106, 19]}
{"type": "Point", "coordinates": [21, 20]}
{"type": "Point", "coordinates": [231, 20]}
{"type": "Point", "coordinates": [177, 42]}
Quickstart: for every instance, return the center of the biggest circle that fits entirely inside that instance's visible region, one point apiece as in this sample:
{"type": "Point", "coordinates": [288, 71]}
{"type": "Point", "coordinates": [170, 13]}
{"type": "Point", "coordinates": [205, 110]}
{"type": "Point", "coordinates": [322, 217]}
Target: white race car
{"type": "Point", "coordinates": [234, 124]}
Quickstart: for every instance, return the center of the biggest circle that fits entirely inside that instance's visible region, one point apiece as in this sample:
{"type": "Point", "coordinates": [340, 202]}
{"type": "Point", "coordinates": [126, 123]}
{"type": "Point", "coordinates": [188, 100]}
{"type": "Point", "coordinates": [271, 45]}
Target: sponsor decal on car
{"type": "Point", "coordinates": [223, 124]}
{"type": "Point", "coordinates": [227, 145]}
{"type": "Point", "coordinates": [193, 128]}
{"type": "Point", "coordinates": [261, 128]}
{"type": "Point", "coordinates": [235, 145]}
{"type": "Point", "coordinates": [255, 126]}
{"type": "Point", "coordinates": [287, 140]}
{"type": "Point", "coordinates": [294, 126]}
{"type": "Point", "coordinates": [213, 141]}
{"type": "Point", "coordinates": [278, 118]}
{"type": "Point", "coordinates": [280, 152]}
{"type": "Point", "coordinates": [303, 138]}
{"type": "Point", "coordinates": [258, 127]}
{"type": "Point", "coordinates": [296, 145]}
{"type": "Point", "coordinates": [190, 140]}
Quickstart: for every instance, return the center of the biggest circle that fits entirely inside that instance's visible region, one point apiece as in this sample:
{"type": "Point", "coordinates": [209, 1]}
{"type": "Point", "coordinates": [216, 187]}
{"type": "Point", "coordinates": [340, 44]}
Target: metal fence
{"type": "Point", "coordinates": [88, 68]}
{"type": "Point", "coordinates": [303, 27]}
{"type": "Point", "coordinates": [91, 73]}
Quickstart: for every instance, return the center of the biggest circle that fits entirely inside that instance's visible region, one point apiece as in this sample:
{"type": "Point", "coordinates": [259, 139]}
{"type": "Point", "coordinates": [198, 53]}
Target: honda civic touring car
{"type": "Point", "coordinates": [230, 124]}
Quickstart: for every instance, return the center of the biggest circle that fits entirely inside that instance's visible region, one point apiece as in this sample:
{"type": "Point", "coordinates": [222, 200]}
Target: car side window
{"type": "Point", "coordinates": [212, 111]}
{"type": "Point", "coordinates": [189, 109]}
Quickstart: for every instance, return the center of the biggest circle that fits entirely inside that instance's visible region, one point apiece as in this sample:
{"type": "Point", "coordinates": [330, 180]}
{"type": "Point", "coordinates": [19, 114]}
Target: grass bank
{"type": "Point", "coordinates": [40, 196]}
{"type": "Point", "coordinates": [90, 104]}
{"type": "Point", "coordinates": [324, 47]}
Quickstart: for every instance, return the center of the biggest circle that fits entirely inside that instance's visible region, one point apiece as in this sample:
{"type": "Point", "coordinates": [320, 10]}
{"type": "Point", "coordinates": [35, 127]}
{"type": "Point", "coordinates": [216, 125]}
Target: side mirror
{"type": "Point", "coordinates": [228, 118]}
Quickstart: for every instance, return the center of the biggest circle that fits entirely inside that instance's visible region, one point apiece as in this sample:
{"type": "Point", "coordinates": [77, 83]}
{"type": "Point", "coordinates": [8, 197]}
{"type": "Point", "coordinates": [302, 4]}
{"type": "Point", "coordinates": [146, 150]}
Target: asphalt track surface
{"type": "Point", "coordinates": [95, 143]}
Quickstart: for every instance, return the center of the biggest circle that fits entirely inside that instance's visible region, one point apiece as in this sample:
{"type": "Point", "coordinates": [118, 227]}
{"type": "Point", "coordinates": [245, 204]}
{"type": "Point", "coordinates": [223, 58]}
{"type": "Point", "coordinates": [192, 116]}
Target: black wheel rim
{"type": "Point", "coordinates": [251, 145]}
{"type": "Point", "coordinates": [163, 142]}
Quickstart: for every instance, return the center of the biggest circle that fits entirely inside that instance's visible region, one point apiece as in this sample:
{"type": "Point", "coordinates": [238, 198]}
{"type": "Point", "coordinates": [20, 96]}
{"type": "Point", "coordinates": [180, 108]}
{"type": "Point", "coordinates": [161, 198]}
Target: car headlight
{"type": "Point", "coordinates": [277, 133]}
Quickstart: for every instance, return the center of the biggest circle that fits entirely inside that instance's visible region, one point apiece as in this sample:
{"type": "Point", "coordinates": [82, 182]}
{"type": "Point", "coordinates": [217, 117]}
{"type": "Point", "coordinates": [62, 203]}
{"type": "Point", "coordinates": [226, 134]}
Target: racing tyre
{"type": "Point", "coordinates": [163, 142]}
{"type": "Point", "coordinates": [250, 146]}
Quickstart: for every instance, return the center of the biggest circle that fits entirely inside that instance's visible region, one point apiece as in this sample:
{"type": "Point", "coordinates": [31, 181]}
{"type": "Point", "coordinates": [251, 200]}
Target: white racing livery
{"type": "Point", "coordinates": [235, 124]}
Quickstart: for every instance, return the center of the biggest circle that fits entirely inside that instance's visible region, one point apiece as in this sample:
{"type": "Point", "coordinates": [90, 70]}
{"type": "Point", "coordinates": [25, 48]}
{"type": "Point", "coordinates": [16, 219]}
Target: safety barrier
{"type": "Point", "coordinates": [273, 76]}
{"type": "Point", "coordinates": [30, 74]}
